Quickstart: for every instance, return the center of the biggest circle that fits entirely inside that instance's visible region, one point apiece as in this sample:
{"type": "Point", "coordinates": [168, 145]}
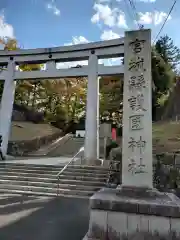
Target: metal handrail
{"type": "Point", "coordinates": [64, 168]}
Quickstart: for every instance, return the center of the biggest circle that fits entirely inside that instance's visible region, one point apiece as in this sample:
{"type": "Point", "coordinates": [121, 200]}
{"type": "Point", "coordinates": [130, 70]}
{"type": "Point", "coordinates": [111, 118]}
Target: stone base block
{"type": "Point", "coordinates": [133, 213]}
{"type": "Point", "coordinates": [93, 162]}
{"type": "Point", "coordinates": [106, 163]}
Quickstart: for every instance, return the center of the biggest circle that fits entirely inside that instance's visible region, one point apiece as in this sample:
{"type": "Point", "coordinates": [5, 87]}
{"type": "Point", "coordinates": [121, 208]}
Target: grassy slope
{"type": "Point", "coordinates": [166, 136]}
{"type": "Point", "coordinates": [28, 130]}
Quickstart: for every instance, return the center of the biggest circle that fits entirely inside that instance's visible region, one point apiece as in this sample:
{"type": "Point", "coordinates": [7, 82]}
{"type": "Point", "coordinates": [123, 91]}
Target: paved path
{"type": "Point", "coordinates": [42, 218]}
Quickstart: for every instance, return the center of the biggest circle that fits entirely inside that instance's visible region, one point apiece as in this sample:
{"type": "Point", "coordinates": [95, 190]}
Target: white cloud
{"type": "Point", "coordinates": [152, 17]}
{"type": "Point", "coordinates": [103, 1]}
{"type": "Point", "coordinates": [147, 1]}
{"type": "Point", "coordinates": [75, 40]}
{"type": "Point", "coordinates": [108, 16]}
{"type": "Point", "coordinates": [53, 8]}
{"type": "Point", "coordinates": [145, 18]}
{"type": "Point", "coordinates": [79, 40]}
{"type": "Point", "coordinates": [104, 13]}
{"type": "Point", "coordinates": [159, 17]}
{"type": "Point", "coordinates": [6, 30]}
{"type": "Point", "coordinates": [109, 34]}
{"type": "Point", "coordinates": [121, 21]}
{"type": "Point", "coordinates": [71, 64]}
{"type": "Point", "coordinates": [106, 35]}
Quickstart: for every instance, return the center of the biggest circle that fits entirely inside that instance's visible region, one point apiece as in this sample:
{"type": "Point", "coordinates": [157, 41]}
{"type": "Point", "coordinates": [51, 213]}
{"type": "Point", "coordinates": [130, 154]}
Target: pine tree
{"type": "Point", "coordinates": [168, 51]}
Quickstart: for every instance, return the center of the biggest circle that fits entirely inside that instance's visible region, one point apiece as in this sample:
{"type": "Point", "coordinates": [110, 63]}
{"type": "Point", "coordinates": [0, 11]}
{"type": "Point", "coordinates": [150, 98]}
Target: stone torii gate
{"type": "Point", "coordinates": [134, 209]}
{"type": "Point", "coordinates": [91, 52]}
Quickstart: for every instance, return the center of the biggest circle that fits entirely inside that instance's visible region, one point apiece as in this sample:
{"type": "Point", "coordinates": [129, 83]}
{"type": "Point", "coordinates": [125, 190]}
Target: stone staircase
{"type": "Point", "coordinates": [76, 180]}
{"type": "Point", "coordinates": [69, 149]}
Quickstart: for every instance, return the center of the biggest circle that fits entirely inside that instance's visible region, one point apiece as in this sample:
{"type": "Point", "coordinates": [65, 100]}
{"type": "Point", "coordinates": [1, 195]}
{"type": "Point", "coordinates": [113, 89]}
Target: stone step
{"type": "Point", "coordinates": [84, 178]}
{"type": "Point", "coordinates": [53, 180]}
{"type": "Point", "coordinates": [88, 174]}
{"type": "Point", "coordinates": [32, 171]}
{"type": "Point", "coordinates": [30, 193]}
{"type": "Point", "coordinates": [70, 177]}
{"type": "Point", "coordinates": [52, 167]}
{"type": "Point", "coordinates": [54, 171]}
{"type": "Point", "coordinates": [27, 174]}
{"type": "Point", "coordinates": [31, 166]}
{"type": "Point", "coordinates": [76, 180]}
{"type": "Point", "coordinates": [85, 167]}
{"type": "Point", "coordinates": [49, 185]}
{"type": "Point", "coordinates": [46, 190]}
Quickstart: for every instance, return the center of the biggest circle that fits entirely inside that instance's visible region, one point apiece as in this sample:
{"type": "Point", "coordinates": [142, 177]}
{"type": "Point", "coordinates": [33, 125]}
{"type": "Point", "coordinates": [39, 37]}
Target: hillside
{"type": "Point", "coordinates": [166, 137]}
{"type": "Point", "coordinates": [172, 107]}
{"type": "Point", "coordinates": [29, 130]}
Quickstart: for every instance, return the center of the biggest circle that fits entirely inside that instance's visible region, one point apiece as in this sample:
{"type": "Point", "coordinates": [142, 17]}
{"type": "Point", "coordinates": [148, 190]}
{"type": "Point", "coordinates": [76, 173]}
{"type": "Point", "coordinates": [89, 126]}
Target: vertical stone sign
{"type": "Point", "coordinates": [137, 114]}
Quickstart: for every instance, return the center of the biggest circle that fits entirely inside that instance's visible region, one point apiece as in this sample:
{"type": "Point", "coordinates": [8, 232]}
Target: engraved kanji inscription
{"type": "Point", "coordinates": [135, 168]}
{"type": "Point", "coordinates": [137, 83]}
{"type": "Point", "coordinates": [137, 102]}
{"type": "Point", "coordinates": [140, 102]}
{"type": "Point", "coordinates": [140, 167]}
{"type": "Point", "coordinates": [136, 122]}
{"type": "Point", "coordinates": [132, 166]}
{"type": "Point", "coordinates": [132, 144]}
{"type": "Point", "coordinates": [136, 64]}
{"type": "Point", "coordinates": [137, 144]}
{"type": "Point", "coordinates": [137, 45]}
{"type": "Point", "coordinates": [132, 102]}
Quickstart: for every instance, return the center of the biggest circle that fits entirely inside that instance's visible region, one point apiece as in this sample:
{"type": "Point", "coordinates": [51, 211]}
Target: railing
{"type": "Point", "coordinates": [65, 167]}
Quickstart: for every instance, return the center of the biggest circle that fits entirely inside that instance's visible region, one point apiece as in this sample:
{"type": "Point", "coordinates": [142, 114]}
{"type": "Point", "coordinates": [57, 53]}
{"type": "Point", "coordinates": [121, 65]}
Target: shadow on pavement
{"type": "Point", "coordinates": [55, 219]}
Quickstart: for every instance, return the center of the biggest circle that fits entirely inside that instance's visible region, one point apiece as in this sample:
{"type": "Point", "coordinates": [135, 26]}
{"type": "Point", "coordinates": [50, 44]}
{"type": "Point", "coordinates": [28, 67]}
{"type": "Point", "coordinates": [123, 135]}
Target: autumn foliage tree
{"type": "Point", "coordinates": [62, 100]}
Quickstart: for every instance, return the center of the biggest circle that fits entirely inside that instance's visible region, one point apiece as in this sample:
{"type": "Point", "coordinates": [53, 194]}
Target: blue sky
{"type": "Point", "coordinates": [48, 23]}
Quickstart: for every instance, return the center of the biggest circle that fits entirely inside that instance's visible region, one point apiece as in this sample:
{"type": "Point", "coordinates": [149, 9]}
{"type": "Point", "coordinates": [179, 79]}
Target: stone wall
{"type": "Point", "coordinates": [166, 169]}
{"type": "Point", "coordinates": [18, 116]}
{"type": "Point", "coordinates": [112, 234]}
{"type": "Point", "coordinates": [24, 147]}
{"type": "Point", "coordinates": [22, 113]}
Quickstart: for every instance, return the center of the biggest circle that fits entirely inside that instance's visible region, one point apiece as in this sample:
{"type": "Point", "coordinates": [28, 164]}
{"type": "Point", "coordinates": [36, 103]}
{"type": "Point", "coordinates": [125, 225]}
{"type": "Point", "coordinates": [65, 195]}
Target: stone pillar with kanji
{"type": "Point", "coordinates": [137, 108]}
{"type": "Point", "coordinates": [135, 210]}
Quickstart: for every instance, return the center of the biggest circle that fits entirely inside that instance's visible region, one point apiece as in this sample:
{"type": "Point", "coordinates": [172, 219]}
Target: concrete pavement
{"type": "Point", "coordinates": [42, 218]}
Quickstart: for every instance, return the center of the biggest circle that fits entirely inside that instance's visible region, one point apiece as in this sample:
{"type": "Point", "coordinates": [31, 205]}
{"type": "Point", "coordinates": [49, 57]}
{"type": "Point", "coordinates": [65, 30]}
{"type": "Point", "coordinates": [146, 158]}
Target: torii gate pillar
{"type": "Point", "coordinates": [92, 112]}
{"type": "Point", "coordinates": [7, 106]}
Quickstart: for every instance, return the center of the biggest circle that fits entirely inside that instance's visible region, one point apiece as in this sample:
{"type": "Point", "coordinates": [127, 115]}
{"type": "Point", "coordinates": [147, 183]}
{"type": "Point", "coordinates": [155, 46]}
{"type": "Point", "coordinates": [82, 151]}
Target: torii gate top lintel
{"type": "Point", "coordinates": [103, 49]}
{"type": "Point", "coordinates": [51, 56]}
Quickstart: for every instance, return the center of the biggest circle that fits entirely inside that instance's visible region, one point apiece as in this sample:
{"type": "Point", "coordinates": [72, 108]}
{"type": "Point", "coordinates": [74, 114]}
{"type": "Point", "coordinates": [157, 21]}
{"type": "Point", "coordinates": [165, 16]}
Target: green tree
{"type": "Point", "coordinates": [23, 88]}
{"type": "Point", "coordinates": [163, 77]}
{"type": "Point", "coordinates": [168, 51]}
{"type": "Point", "coordinates": [111, 98]}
